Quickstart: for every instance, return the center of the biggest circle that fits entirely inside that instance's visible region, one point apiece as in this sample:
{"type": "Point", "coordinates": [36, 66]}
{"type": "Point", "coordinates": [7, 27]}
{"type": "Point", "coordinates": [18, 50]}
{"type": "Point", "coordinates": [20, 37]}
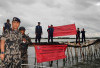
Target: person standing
{"type": "Point", "coordinates": [24, 46]}
{"type": "Point", "coordinates": [38, 32]}
{"type": "Point", "coordinates": [10, 46]}
{"type": "Point", "coordinates": [78, 36]}
{"type": "Point", "coordinates": [83, 35]}
{"type": "Point", "coordinates": [50, 33]}
{"type": "Point", "coordinates": [7, 26]}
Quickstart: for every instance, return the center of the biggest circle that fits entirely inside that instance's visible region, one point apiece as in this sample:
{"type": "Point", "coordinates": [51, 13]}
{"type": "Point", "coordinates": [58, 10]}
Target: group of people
{"type": "Point", "coordinates": [38, 32]}
{"type": "Point", "coordinates": [14, 43]}
{"type": "Point", "coordinates": [78, 35]}
{"type": "Point", "coordinates": [50, 30]}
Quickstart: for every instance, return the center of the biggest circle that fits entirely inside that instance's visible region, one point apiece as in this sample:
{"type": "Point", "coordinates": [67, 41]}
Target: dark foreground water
{"type": "Point", "coordinates": [89, 57]}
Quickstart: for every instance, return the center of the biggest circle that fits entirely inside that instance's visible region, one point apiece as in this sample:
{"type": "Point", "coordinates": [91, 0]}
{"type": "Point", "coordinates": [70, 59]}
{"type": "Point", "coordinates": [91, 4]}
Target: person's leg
{"type": "Point", "coordinates": [17, 61]}
{"type": "Point", "coordinates": [3, 65]}
{"type": "Point", "coordinates": [82, 39]}
{"type": "Point", "coordinates": [48, 38]}
{"type": "Point", "coordinates": [18, 64]}
{"type": "Point", "coordinates": [25, 61]}
{"type": "Point", "coordinates": [52, 38]}
{"type": "Point", "coordinates": [79, 40]}
{"type": "Point", "coordinates": [39, 38]}
{"type": "Point", "coordinates": [36, 39]}
{"type": "Point", "coordinates": [76, 39]}
{"type": "Point", "coordinates": [22, 54]}
{"type": "Point", "coordinates": [6, 63]}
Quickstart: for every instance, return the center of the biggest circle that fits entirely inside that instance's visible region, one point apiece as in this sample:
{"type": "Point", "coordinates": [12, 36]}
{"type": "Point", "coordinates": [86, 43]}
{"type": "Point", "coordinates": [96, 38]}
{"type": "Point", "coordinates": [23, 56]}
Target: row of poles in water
{"type": "Point", "coordinates": [73, 56]}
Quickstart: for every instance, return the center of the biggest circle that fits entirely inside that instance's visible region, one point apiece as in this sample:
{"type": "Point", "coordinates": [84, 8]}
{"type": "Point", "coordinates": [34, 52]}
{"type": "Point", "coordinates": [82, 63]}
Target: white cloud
{"type": "Point", "coordinates": [98, 4]}
{"type": "Point", "coordinates": [57, 12]}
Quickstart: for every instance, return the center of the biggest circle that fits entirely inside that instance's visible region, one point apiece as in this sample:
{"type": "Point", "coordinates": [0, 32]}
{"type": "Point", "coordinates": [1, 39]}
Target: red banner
{"type": "Point", "coordinates": [64, 30]}
{"type": "Point", "coordinates": [46, 53]}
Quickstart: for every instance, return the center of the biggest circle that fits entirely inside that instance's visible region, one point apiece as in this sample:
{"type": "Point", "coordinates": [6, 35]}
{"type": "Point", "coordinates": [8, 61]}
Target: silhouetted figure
{"type": "Point", "coordinates": [38, 32]}
{"type": "Point", "coordinates": [50, 33]}
{"type": "Point", "coordinates": [7, 26]}
{"type": "Point", "coordinates": [78, 36]}
{"type": "Point", "coordinates": [83, 35]}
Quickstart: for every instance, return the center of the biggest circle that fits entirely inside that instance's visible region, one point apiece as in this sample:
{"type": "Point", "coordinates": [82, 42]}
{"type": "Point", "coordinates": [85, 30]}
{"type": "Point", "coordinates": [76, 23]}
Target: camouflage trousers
{"type": "Point", "coordinates": [11, 61]}
{"type": "Point", "coordinates": [25, 60]}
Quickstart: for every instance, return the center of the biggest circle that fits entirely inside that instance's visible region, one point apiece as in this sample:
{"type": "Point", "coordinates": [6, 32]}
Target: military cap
{"type": "Point", "coordinates": [16, 19]}
{"type": "Point", "coordinates": [22, 28]}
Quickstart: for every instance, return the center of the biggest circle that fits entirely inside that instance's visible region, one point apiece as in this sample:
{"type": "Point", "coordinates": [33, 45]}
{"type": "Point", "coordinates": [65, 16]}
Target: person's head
{"type": "Point", "coordinates": [39, 23]}
{"type": "Point", "coordinates": [78, 29]}
{"type": "Point", "coordinates": [15, 23]}
{"type": "Point", "coordinates": [22, 30]}
{"type": "Point", "coordinates": [51, 26]}
{"type": "Point", "coordinates": [8, 20]}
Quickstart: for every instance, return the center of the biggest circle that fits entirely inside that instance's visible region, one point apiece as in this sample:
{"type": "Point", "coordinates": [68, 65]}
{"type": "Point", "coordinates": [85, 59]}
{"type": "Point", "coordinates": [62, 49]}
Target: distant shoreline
{"type": "Point", "coordinates": [67, 38]}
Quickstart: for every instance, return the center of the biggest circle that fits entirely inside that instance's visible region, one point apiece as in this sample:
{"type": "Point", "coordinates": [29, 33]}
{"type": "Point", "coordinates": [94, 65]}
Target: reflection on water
{"type": "Point", "coordinates": [87, 57]}
{"type": "Point", "coordinates": [59, 40]}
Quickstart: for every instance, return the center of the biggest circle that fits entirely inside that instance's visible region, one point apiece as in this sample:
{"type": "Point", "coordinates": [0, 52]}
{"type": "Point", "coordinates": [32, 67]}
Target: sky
{"type": "Point", "coordinates": [84, 13]}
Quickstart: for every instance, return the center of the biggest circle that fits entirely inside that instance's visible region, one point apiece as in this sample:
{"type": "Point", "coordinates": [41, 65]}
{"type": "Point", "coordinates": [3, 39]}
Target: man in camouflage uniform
{"type": "Point", "coordinates": [24, 46]}
{"type": "Point", "coordinates": [10, 46]}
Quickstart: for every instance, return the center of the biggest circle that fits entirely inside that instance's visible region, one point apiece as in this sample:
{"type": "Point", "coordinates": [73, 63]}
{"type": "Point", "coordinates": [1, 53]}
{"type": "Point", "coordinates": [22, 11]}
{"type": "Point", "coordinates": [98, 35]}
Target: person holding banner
{"type": "Point", "coordinates": [50, 33]}
{"type": "Point", "coordinates": [78, 36]}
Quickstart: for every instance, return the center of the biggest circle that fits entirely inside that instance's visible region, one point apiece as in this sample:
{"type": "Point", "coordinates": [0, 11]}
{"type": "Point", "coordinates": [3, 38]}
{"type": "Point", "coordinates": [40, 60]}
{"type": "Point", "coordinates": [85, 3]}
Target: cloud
{"type": "Point", "coordinates": [84, 13]}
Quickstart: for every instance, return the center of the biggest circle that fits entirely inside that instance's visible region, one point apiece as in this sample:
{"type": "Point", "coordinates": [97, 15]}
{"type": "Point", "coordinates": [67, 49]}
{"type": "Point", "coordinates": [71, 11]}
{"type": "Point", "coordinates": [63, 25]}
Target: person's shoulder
{"type": "Point", "coordinates": [19, 34]}
{"type": "Point", "coordinates": [49, 28]}
{"type": "Point", "coordinates": [7, 31]}
{"type": "Point", "coordinates": [36, 26]}
{"type": "Point", "coordinates": [40, 26]}
{"type": "Point", "coordinates": [5, 35]}
{"type": "Point", "coordinates": [5, 23]}
{"type": "Point", "coordinates": [27, 36]}
{"type": "Point", "coordinates": [9, 23]}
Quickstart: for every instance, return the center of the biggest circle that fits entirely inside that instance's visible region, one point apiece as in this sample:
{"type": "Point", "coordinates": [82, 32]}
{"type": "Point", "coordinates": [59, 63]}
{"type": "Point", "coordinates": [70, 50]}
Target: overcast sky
{"type": "Point", "coordinates": [84, 13]}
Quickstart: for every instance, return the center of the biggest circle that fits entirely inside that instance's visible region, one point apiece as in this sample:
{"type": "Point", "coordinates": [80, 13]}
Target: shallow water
{"type": "Point", "coordinates": [91, 61]}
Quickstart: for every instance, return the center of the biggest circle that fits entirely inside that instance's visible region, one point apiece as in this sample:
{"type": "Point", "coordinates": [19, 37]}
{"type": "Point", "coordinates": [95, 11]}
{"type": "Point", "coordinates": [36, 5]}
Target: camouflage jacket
{"type": "Point", "coordinates": [24, 45]}
{"type": "Point", "coordinates": [13, 39]}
